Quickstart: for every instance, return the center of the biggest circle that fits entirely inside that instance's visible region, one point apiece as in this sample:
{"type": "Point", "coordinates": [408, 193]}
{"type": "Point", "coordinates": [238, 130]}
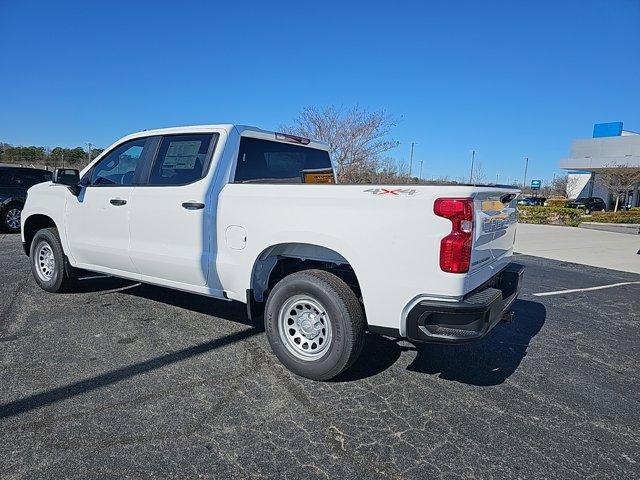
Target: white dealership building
{"type": "Point", "coordinates": [610, 145]}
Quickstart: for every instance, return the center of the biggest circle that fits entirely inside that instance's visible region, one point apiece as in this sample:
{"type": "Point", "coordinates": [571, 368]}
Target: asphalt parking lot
{"type": "Point", "coordinates": [126, 381]}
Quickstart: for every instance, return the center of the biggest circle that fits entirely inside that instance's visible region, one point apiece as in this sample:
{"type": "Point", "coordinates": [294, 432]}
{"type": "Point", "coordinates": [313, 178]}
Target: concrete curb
{"type": "Point", "coordinates": [630, 228]}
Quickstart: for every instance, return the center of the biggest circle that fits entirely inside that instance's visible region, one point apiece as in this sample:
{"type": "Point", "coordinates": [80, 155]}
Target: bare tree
{"type": "Point", "coordinates": [358, 138]}
{"type": "Point", "coordinates": [403, 171]}
{"type": "Point", "coordinates": [479, 175]}
{"type": "Point", "coordinates": [618, 179]}
{"type": "Point", "coordinates": [562, 185]}
{"type": "Point", "coordinates": [387, 171]}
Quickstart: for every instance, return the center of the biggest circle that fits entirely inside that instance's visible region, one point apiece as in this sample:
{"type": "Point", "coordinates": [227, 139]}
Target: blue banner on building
{"type": "Point", "coordinates": [611, 129]}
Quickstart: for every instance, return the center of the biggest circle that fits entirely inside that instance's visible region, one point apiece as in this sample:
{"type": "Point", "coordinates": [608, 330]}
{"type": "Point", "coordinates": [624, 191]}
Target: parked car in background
{"type": "Point", "coordinates": [532, 201]}
{"type": "Point", "coordinates": [588, 204]}
{"type": "Point", "coordinates": [14, 183]}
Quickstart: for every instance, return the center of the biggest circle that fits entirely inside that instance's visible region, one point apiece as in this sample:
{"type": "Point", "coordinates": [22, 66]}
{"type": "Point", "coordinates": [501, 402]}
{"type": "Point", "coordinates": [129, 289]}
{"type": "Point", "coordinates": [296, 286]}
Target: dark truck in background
{"type": "Point", "coordinates": [588, 204]}
{"type": "Point", "coordinates": [14, 183]}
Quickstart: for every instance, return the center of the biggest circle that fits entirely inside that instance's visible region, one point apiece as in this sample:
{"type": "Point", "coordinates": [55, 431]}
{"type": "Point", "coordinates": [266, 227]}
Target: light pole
{"type": "Point", "coordinates": [473, 157]}
{"type": "Point", "coordinates": [411, 159]}
{"type": "Point", "coordinates": [420, 170]}
{"type": "Point", "coordinates": [526, 165]}
{"type": "Point", "coordinates": [89, 145]}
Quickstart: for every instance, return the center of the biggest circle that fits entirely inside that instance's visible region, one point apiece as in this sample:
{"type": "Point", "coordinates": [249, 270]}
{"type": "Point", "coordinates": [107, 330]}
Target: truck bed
{"type": "Point", "coordinates": [389, 234]}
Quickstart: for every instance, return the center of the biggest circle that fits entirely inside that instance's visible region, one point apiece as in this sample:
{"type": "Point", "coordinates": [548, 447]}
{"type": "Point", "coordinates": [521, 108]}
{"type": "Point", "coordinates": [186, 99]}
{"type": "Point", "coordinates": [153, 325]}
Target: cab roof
{"type": "Point", "coordinates": [242, 130]}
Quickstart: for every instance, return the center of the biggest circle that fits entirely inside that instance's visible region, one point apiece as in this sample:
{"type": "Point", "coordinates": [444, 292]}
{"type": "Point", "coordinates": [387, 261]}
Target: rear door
{"type": "Point", "coordinates": [495, 219]}
{"type": "Point", "coordinates": [172, 225]}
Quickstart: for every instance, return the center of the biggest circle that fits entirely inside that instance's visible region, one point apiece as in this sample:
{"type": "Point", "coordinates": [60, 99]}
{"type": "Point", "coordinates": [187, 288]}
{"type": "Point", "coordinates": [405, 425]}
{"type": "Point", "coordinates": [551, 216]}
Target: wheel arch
{"type": "Point", "coordinates": [13, 201]}
{"type": "Point", "coordinates": [32, 224]}
{"type": "Point", "coordinates": [279, 260]}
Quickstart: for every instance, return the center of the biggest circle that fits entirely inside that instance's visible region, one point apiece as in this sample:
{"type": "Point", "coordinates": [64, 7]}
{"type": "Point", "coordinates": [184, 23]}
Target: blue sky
{"type": "Point", "coordinates": [509, 79]}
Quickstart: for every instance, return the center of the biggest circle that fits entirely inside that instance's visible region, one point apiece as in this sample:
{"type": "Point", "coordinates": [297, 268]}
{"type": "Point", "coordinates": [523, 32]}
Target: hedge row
{"type": "Point", "coordinates": [573, 216]}
{"type": "Point", "coordinates": [632, 216]}
{"type": "Point", "coordinates": [550, 215]}
{"type": "Point", "coordinates": [556, 202]}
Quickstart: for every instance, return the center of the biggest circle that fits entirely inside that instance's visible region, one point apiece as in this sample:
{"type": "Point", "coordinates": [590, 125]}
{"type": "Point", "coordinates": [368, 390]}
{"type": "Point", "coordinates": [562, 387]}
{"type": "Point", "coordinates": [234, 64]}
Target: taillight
{"type": "Point", "coordinates": [455, 248]}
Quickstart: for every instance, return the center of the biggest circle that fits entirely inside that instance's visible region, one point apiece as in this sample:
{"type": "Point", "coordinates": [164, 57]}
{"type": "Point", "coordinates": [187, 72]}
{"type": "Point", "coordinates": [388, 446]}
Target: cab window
{"type": "Point", "coordinates": [29, 179]}
{"type": "Point", "coordinates": [118, 168]}
{"type": "Point", "coordinates": [6, 177]}
{"type": "Point", "coordinates": [182, 159]}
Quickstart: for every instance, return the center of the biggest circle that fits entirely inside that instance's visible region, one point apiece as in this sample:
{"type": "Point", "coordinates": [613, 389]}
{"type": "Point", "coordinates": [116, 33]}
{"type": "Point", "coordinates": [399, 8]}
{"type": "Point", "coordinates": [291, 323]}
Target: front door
{"type": "Point", "coordinates": [171, 224]}
{"type": "Point", "coordinates": [98, 219]}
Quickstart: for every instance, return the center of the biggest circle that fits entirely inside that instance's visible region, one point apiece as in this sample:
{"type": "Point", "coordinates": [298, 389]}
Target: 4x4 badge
{"type": "Point", "coordinates": [391, 191]}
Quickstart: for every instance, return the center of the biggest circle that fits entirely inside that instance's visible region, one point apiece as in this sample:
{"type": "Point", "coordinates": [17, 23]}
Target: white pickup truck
{"type": "Point", "coordinates": [239, 213]}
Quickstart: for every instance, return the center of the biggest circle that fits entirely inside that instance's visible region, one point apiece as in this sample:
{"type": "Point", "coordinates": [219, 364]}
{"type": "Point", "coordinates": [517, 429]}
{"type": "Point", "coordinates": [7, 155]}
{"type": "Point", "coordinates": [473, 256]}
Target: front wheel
{"type": "Point", "coordinates": [49, 266]}
{"type": "Point", "coordinates": [314, 324]}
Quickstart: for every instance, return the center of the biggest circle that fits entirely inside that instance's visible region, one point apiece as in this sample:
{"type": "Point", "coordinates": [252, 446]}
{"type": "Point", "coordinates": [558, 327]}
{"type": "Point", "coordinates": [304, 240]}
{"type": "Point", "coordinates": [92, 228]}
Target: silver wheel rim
{"type": "Point", "coordinates": [13, 218]}
{"type": "Point", "coordinates": [305, 328]}
{"type": "Point", "coordinates": [45, 261]}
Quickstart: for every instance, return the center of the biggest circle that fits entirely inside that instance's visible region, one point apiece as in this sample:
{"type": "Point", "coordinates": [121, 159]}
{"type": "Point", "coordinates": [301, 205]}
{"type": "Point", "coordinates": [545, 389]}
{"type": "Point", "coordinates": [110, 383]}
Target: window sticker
{"type": "Point", "coordinates": [182, 155]}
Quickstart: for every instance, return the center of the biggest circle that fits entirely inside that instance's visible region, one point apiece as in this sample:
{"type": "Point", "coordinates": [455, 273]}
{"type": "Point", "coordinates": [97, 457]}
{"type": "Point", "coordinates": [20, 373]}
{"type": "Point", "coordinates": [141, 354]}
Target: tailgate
{"type": "Point", "coordinates": [495, 218]}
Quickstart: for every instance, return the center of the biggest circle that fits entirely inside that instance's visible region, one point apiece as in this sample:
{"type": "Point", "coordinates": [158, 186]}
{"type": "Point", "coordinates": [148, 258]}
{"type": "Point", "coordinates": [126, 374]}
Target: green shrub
{"type": "Point", "coordinates": [556, 202]}
{"type": "Point", "coordinates": [634, 209]}
{"type": "Point", "coordinates": [632, 216]}
{"type": "Point", "coordinates": [550, 215]}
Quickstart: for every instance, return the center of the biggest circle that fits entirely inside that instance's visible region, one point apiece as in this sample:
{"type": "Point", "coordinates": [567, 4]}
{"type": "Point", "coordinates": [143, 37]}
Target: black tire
{"type": "Point", "coordinates": [6, 216]}
{"type": "Point", "coordinates": [345, 314]}
{"type": "Point", "coordinates": [63, 275]}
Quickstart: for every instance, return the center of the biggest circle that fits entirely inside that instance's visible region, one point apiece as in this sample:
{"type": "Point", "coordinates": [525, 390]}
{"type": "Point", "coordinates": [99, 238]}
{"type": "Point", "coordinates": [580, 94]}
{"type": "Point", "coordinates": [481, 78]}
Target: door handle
{"type": "Point", "coordinates": [118, 202]}
{"type": "Point", "coordinates": [193, 205]}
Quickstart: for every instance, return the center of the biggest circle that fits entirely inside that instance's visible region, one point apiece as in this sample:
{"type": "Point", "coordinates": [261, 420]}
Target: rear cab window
{"type": "Point", "coordinates": [266, 161]}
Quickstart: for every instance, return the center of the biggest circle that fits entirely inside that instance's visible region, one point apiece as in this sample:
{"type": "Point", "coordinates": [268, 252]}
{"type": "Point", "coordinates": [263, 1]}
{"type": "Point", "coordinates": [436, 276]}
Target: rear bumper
{"type": "Point", "coordinates": [469, 319]}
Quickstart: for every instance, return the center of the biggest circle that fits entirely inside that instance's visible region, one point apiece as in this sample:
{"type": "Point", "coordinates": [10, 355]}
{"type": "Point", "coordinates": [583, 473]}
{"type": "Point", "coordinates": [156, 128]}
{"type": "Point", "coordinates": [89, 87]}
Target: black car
{"type": "Point", "coordinates": [589, 204]}
{"type": "Point", "coordinates": [14, 183]}
{"type": "Point", "coordinates": [532, 201]}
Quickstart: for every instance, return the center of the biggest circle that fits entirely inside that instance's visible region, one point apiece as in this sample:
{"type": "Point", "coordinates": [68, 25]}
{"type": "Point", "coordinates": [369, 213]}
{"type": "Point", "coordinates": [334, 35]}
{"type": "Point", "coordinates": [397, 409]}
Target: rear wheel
{"type": "Point", "coordinates": [314, 324]}
{"type": "Point", "coordinates": [49, 266]}
{"type": "Point", "coordinates": [11, 218]}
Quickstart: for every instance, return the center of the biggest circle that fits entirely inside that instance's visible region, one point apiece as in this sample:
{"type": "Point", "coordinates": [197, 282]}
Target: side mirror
{"type": "Point", "coordinates": [69, 177]}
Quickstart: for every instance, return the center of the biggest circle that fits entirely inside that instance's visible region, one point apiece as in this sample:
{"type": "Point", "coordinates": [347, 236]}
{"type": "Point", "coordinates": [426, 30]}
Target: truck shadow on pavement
{"type": "Point", "coordinates": [70, 390]}
{"type": "Point", "coordinates": [233, 311]}
{"type": "Point", "coordinates": [485, 363]}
